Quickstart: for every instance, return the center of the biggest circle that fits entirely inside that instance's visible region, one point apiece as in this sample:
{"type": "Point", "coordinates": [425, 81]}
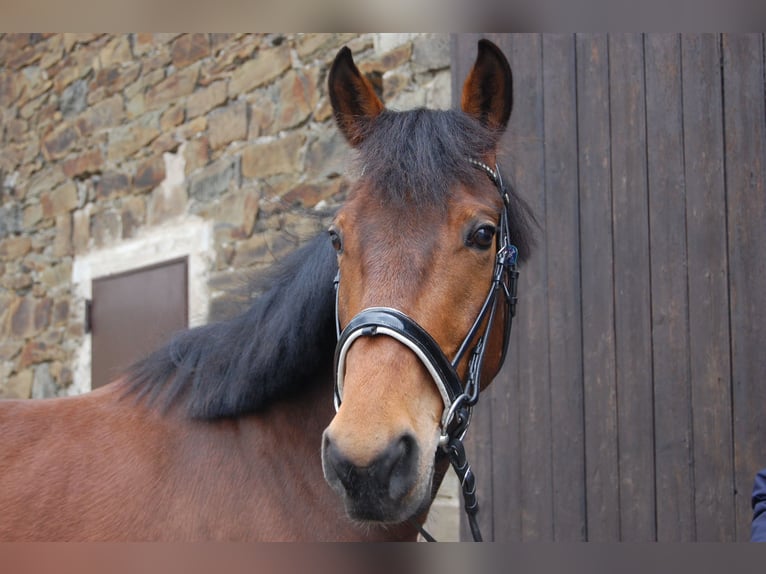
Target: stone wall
{"type": "Point", "coordinates": [105, 136]}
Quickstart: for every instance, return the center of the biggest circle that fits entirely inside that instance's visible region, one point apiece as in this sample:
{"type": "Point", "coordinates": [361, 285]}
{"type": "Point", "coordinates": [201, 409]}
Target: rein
{"type": "Point", "coordinates": [459, 398]}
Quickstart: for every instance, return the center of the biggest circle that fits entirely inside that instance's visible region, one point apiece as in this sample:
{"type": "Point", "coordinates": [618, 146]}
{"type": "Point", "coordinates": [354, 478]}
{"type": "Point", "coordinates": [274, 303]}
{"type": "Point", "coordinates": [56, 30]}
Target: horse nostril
{"type": "Point", "coordinates": [336, 465]}
{"type": "Point", "coordinates": [396, 466]}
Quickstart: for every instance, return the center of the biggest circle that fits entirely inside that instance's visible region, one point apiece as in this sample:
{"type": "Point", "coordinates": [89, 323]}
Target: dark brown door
{"type": "Point", "coordinates": [133, 313]}
{"type": "Point", "coordinates": [631, 404]}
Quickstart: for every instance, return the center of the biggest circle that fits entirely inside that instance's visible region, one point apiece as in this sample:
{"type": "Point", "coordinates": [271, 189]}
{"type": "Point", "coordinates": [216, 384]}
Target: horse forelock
{"type": "Point", "coordinates": [414, 161]}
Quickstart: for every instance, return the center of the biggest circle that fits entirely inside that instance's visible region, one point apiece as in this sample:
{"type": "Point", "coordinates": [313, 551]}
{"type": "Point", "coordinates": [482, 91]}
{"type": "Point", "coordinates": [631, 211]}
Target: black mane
{"type": "Point", "coordinates": [287, 336]}
{"type": "Point", "coordinates": [237, 366]}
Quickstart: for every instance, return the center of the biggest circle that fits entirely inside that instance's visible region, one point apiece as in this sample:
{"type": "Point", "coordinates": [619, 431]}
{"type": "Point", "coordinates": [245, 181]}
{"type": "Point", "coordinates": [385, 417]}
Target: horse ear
{"type": "Point", "coordinates": [488, 89]}
{"type": "Point", "coordinates": [352, 97]}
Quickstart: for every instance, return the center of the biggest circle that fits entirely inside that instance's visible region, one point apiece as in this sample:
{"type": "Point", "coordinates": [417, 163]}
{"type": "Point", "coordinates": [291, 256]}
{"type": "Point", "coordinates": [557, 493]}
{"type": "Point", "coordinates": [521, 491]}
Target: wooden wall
{"type": "Point", "coordinates": [632, 405]}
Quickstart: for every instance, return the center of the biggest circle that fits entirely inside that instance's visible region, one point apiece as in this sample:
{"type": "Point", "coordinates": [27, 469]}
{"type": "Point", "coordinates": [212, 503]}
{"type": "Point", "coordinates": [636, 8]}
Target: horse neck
{"type": "Point", "coordinates": [291, 432]}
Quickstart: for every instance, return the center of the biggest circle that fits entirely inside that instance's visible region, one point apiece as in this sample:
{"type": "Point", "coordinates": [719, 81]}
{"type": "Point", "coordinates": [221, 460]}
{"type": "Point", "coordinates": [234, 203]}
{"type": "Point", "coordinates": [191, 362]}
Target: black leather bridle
{"type": "Point", "coordinates": [459, 398]}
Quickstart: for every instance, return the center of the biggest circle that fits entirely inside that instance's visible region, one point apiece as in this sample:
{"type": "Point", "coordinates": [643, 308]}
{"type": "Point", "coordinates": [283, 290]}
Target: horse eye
{"type": "Point", "coordinates": [337, 244]}
{"type": "Point", "coordinates": [482, 237]}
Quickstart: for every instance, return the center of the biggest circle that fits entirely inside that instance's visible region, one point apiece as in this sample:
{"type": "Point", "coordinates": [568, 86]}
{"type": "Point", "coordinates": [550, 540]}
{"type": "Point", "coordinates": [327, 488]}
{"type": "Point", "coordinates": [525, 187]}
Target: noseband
{"type": "Point", "coordinates": [458, 397]}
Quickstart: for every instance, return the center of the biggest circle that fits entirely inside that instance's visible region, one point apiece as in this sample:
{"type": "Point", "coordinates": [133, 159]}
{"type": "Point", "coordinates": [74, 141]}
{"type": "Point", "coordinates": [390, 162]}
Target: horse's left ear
{"type": "Point", "coordinates": [352, 97]}
{"type": "Point", "coordinates": [488, 89]}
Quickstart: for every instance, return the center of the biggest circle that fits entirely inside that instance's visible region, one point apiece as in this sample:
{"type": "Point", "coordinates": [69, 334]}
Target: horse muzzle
{"type": "Point", "coordinates": [380, 491]}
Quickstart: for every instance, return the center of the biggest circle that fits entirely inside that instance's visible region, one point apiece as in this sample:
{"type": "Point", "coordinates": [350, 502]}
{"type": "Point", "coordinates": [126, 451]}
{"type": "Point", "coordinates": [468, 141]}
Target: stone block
{"type": "Point", "coordinates": [205, 99]}
{"type": "Point", "coordinates": [216, 179]}
{"type": "Point", "coordinates": [18, 386]}
{"type": "Point", "coordinates": [228, 124]}
{"type": "Point", "coordinates": [73, 67]}
{"type": "Point", "coordinates": [36, 351]}
{"type": "Point", "coordinates": [431, 52]}
{"type": "Point", "coordinates": [439, 91]}
{"type": "Point", "coordinates": [149, 174]}
{"type": "Point", "coordinates": [143, 43]}
{"type": "Point", "coordinates": [156, 61]}
{"type": "Point", "coordinates": [42, 313]}
{"type": "Point", "coordinates": [192, 129]}
{"type": "Point", "coordinates": [237, 212]}
{"type": "Point", "coordinates": [61, 373]}
{"type": "Point", "coordinates": [265, 66]}
{"type": "Point", "coordinates": [104, 114]}
{"type": "Point", "coordinates": [389, 60]}
{"type": "Point", "coordinates": [279, 156]}
{"type": "Point", "coordinates": [60, 200]}
{"type": "Point", "coordinates": [310, 44]}
{"type": "Point", "coordinates": [263, 112]}
{"type": "Point", "coordinates": [222, 39]}
{"type": "Point", "coordinates": [73, 39]}
{"type": "Point", "coordinates": [25, 57]}
{"type": "Point", "coordinates": [60, 313]}
{"type": "Point", "coordinates": [73, 99]}
{"type": "Point", "coordinates": [36, 84]}
{"type": "Point", "coordinates": [16, 129]}
{"type": "Point", "coordinates": [115, 78]}
{"type": "Point", "coordinates": [53, 52]}
{"type": "Point", "coordinates": [112, 184]}
{"type": "Point", "coordinates": [11, 87]}
{"type": "Point", "coordinates": [116, 51]}
{"type": "Point", "coordinates": [298, 95]}
{"type": "Point", "coordinates": [83, 165]}
{"type": "Point", "coordinates": [196, 154]}
{"type": "Point", "coordinates": [229, 58]}
{"type": "Point", "coordinates": [43, 386]}
{"type": "Point", "coordinates": [15, 247]}
{"type": "Point", "coordinates": [9, 348]}
{"type": "Point", "coordinates": [56, 275]}
{"type": "Point", "coordinates": [263, 248]}
{"type": "Point", "coordinates": [172, 117]}
{"type": "Point", "coordinates": [126, 140]}
{"type": "Point", "coordinates": [136, 105]}
{"type": "Point", "coordinates": [62, 243]}
{"type": "Point", "coordinates": [189, 48]}
{"type": "Point", "coordinates": [326, 155]}
{"type": "Point", "coordinates": [16, 282]}
{"type": "Point", "coordinates": [310, 194]}
{"type": "Point", "coordinates": [177, 85]}
{"type": "Point", "coordinates": [166, 142]}
{"type": "Point", "coordinates": [44, 180]}
{"type": "Point", "coordinates": [60, 141]}
{"type": "Point", "coordinates": [31, 215]}
{"type": "Point", "coordinates": [20, 319]}
{"type": "Point", "coordinates": [394, 83]}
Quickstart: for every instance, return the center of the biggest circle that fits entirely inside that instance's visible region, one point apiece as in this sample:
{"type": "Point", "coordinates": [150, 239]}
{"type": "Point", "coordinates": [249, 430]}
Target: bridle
{"type": "Point", "coordinates": [459, 398]}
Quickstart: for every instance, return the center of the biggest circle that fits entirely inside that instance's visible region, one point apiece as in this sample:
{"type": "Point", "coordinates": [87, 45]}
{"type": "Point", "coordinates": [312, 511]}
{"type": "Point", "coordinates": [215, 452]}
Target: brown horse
{"type": "Point", "coordinates": [229, 432]}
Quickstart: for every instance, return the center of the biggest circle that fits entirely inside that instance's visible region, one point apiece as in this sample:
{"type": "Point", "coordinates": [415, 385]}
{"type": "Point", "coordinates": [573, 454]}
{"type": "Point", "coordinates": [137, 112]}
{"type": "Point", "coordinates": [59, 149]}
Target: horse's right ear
{"type": "Point", "coordinates": [352, 97]}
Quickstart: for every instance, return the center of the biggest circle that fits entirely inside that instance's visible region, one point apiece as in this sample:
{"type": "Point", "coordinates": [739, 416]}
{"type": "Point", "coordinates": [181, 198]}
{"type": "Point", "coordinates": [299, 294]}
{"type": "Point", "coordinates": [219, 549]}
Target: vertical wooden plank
{"type": "Point", "coordinates": [675, 481]}
{"type": "Point", "coordinates": [708, 289]}
{"type": "Point", "coordinates": [632, 294]}
{"type": "Point", "coordinates": [745, 150]}
{"type": "Point", "coordinates": [479, 447]}
{"type": "Point", "coordinates": [525, 137]}
{"type": "Point", "coordinates": [597, 288]}
{"type": "Point", "coordinates": [562, 227]}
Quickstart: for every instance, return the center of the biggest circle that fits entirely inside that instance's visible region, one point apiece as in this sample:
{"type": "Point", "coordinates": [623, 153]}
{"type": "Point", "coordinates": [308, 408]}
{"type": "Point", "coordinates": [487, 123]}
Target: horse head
{"type": "Point", "coordinates": [424, 252]}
